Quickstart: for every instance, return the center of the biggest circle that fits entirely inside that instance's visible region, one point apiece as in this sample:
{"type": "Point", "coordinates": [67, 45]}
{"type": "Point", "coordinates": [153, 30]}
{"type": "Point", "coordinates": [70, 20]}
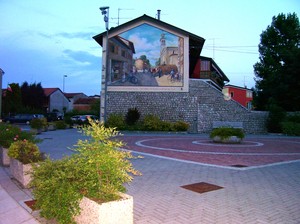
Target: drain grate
{"type": "Point", "coordinates": [201, 187]}
{"type": "Point", "coordinates": [239, 166]}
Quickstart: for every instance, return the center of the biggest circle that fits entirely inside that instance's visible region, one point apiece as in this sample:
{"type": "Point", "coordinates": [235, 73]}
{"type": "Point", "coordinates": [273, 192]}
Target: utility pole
{"type": "Point", "coordinates": [1, 74]}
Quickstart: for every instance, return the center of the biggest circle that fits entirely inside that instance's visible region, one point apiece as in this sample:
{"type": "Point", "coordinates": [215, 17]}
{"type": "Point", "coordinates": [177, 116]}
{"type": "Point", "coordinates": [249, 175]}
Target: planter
{"type": "Point", "coordinates": [228, 140]}
{"type": "Point", "coordinates": [5, 159]}
{"type": "Point", "coordinates": [20, 172]}
{"type": "Point", "coordinates": [120, 211]}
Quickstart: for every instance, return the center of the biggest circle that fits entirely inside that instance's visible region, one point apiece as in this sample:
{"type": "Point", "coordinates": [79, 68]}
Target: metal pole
{"type": "Point", "coordinates": [105, 12]}
{"type": "Point", "coordinates": [1, 74]}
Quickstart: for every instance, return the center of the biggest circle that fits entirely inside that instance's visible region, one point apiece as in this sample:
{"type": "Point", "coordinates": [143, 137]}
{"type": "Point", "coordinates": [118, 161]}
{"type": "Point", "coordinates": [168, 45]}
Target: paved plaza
{"type": "Point", "coordinates": [259, 180]}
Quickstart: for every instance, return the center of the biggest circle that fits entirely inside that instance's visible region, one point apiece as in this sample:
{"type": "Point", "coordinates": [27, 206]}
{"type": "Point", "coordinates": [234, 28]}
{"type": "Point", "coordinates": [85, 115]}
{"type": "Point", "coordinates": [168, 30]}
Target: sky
{"type": "Point", "coordinates": [44, 41]}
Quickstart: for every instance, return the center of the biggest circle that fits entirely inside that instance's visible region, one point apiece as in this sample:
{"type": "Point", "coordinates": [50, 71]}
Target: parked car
{"type": "Point", "coordinates": [80, 119]}
{"type": "Point", "coordinates": [23, 118]}
{"type": "Point", "coordinates": [54, 116]}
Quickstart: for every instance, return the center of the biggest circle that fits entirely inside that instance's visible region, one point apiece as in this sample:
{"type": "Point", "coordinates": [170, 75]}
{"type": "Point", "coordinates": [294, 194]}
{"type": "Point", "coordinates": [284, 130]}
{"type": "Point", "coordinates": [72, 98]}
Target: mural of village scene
{"type": "Point", "coordinates": [146, 56]}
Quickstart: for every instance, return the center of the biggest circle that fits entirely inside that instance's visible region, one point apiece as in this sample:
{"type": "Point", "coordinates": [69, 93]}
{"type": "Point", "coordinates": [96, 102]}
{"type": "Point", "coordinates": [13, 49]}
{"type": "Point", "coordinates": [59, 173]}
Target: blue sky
{"type": "Point", "coordinates": [41, 41]}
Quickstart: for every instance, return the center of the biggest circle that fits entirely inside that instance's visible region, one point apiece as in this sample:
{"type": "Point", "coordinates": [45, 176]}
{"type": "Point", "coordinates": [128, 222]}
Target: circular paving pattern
{"type": "Point", "coordinates": [251, 152]}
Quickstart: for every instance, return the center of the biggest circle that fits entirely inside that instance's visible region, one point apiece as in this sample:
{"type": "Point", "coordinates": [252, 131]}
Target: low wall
{"type": "Point", "coordinates": [200, 107]}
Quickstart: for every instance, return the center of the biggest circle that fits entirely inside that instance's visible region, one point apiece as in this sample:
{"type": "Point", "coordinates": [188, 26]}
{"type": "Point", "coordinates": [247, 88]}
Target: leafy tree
{"type": "Point", "coordinates": [146, 61]}
{"type": "Point", "coordinates": [33, 96]}
{"type": "Point", "coordinates": [12, 102]}
{"type": "Point", "coordinates": [278, 71]}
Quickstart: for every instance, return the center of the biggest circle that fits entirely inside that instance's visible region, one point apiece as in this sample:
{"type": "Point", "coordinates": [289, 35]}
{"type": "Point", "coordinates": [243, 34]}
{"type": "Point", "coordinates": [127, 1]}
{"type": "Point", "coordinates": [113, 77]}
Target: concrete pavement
{"type": "Point", "coordinates": [266, 194]}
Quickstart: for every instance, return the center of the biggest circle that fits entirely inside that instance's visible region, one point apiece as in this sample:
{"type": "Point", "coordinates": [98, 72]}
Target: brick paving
{"type": "Point", "coordinates": [267, 191]}
{"type": "Point", "coordinates": [254, 151]}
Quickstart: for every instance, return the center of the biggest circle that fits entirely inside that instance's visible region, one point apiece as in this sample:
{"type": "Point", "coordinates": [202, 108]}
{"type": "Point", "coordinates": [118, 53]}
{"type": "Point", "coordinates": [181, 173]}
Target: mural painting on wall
{"type": "Point", "coordinates": [146, 56]}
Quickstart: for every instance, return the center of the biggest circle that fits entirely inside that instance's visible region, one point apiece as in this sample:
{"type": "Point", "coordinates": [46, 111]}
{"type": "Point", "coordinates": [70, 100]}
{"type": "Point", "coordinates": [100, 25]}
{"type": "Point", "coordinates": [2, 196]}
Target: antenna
{"type": "Point", "coordinates": [119, 9]}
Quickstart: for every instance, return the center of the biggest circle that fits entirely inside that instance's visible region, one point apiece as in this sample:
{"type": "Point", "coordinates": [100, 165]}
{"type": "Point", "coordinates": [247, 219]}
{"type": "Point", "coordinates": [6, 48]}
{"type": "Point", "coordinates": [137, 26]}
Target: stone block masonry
{"type": "Point", "coordinates": [200, 107]}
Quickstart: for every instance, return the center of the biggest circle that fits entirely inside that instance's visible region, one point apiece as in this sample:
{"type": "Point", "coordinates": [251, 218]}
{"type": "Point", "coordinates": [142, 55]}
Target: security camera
{"type": "Point", "coordinates": [104, 8]}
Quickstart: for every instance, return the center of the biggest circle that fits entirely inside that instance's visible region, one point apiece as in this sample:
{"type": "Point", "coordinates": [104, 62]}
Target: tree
{"type": "Point", "coordinates": [12, 102]}
{"type": "Point", "coordinates": [278, 71]}
{"type": "Point", "coordinates": [33, 96]}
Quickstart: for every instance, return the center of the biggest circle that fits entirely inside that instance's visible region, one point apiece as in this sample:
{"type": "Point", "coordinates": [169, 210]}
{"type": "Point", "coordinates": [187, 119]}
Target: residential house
{"type": "Point", "coordinates": [84, 104]}
{"type": "Point", "coordinates": [73, 97]}
{"type": "Point", "coordinates": [55, 100]}
{"type": "Point", "coordinates": [180, 84]}
{"type": "Point", "coordinates": [242, 95]}
{"type": "Point", "coordinates": [207, 69]}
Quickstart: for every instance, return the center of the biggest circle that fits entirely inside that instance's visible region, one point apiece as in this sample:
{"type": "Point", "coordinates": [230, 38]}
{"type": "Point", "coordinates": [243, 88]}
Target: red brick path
{"type": "Point", "coordinates": [254, 151]}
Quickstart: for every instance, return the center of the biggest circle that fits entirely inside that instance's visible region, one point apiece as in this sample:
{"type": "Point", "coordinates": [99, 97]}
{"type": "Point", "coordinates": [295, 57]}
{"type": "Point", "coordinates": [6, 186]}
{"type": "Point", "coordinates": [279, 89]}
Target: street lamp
{"type": "Point", "coordinates": [105, 12]}
{"type": "Point", "coordinates": [1, 74]}
{"type": "Point", "coordinates": [64, 83]}
{"type": "Point", "coordinates": [63, 99]}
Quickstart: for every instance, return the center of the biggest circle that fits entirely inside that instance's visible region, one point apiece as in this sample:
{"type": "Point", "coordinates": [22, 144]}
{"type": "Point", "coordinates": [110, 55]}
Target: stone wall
{"type": "Point", "coordinates": [200, 107]}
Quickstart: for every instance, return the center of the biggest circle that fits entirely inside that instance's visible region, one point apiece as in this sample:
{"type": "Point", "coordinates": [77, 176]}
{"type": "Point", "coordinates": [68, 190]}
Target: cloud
{"type": "Point", "coordinates": [75, 35]}
{"type": "Point", "coordinates": [84, 58]}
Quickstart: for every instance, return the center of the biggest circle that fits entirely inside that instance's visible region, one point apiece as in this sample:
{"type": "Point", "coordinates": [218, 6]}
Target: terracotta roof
{"type": "Point", "coordinates": [85, 101]}
{"type": "Point", "coordinates": [70, 95]}
{"type": "Point", "coordinates": [49, 91]}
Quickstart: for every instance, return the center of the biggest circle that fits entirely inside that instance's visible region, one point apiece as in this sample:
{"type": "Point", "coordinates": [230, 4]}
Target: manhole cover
{"type": "Point", "coordinates": [201, 187]}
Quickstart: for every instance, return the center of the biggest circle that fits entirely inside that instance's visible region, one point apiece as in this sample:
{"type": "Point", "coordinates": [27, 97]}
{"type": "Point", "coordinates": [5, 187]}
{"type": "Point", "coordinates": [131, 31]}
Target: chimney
{"type": "Point", "coordinates": [158, 14]}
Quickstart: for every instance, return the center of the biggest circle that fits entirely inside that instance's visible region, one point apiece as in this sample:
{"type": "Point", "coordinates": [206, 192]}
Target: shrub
{"type": "Point", "coordinates": [38, 123]}
{"type": "Point", "coordinates": [132, 116]}
{"type": "Point", "coordinates": [11, 133]}
{"type": "Point", "coordinates": [24, 151]}
{"type": "Point", "coordinates": [276, 117]}
{"type": "Point", "coordinates": [60, 125]}
{"type": "Point", "coordinates": [226, 132]}
{"type": "Point", "coordinates": [152, 123]}
{"type": "Point", "coordinates": [116, 120]}
{"type": "Point", "coordinates": [291, 128]}
{"type": "Point", "coordinates": [180, 126]}
{"type": "Point", "coordinates": [98, 171]}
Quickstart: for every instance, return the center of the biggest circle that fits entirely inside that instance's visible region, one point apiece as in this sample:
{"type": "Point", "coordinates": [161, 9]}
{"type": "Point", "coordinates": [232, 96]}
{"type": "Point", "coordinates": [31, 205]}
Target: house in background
{"type": "Point", "coordinates": [73, 97]}
{"type": "Point", "coordinates": [207, 69]}
{"type": "Point", "coordinates": [242, 95]}
{"type": "Point", "coordinates": [55, 100]}
{"type": "Point", "coordinates": [84, 104]}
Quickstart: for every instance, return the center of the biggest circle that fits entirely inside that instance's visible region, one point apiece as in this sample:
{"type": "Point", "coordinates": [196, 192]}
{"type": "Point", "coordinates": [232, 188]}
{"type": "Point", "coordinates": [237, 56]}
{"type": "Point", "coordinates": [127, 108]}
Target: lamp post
{"type": "Point", "coordinates": [1, 74]}
{"type": "Point", "coordinates": [64, 83]}
{"type": "Point", "coordinates": [103, 105]}
{"type": "Point", "coordinates": [63, 99]}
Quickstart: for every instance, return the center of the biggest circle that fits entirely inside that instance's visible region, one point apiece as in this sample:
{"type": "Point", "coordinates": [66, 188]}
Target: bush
{"type": "Point", "coordinates": [276, 117]}
{"type": "Point", "coordinates": [60, 125]}
{"type": "Point", "coordinates": [181, 126]}
{"type": "Point", "coordinates": [226, 132]}
{"type": "Point", "coordinates": [152, 123]}
{"type": "Point", "coordinates": [291, 128]}
{"type": "Point", "coordinates": [98, 171]}
{"type": "Point", "coordinates": [116, 120]}
{"type": "Point", "coordinates": [38, 123]}
{"type": "Point", "coordinates": [11, 133]}
{"type": "Point", "coordinates": [24, 151]}
{"type": "Point", "coordinates": [132, 116]}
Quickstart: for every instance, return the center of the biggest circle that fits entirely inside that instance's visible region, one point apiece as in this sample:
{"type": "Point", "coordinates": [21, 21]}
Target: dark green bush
{"type": "Point", "coordinates": [152, 123]}
{"type": "Point", "coordinates": [226, 132]}
{"type": "Point", "coordinates": [11, 133]}
{"type": "Point", "coordinates": [181, 126]}
{"type": "Point", "coordinates": [132, 116]}
{"type": "Point", "coordinates": [116, 120]}
{"type": "Point", "coordinates": [276, 117]}
{"type": "Point", "coordinates": [291, 128]}
{"type": "Point", "coordinates": [60, 125]}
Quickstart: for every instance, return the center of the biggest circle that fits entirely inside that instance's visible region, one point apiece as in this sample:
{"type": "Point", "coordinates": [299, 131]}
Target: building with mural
{"type": "Point", "coordinates": [158, 68]}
